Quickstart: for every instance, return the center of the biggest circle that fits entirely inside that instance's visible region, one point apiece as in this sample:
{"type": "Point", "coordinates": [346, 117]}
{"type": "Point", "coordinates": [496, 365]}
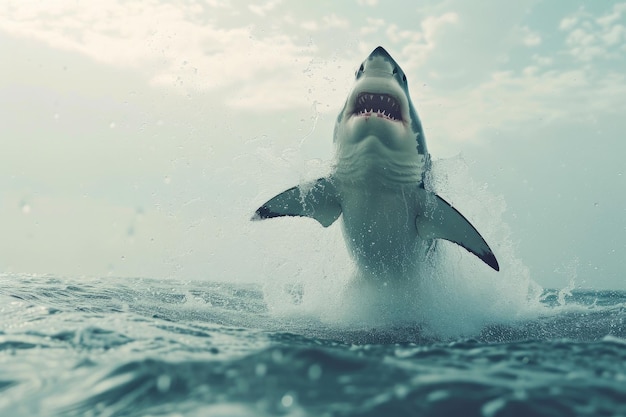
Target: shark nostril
{"type": "Point", "coordinates": [395, 70]}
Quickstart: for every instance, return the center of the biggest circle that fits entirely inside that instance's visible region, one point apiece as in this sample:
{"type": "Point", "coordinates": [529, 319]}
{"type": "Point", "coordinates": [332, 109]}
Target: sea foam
{"type": "Point", "coordinates": [454, 295]}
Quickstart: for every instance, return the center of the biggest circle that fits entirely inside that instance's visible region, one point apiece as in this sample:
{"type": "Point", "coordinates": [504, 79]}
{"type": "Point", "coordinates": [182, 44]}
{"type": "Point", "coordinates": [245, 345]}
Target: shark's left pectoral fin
{"type": "Point", "coordinates": [437, 219]}
{"type": "Point", "coordinates": [318, 200]}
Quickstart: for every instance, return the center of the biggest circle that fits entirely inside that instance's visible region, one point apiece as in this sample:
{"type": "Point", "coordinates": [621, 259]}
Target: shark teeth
{"type": "Point", "coordinates": [380, 105]}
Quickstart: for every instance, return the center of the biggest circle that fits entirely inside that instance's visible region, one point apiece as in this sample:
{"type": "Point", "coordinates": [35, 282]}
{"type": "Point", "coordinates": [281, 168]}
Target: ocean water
{"type": "Point", "coordinates": [142, 347]}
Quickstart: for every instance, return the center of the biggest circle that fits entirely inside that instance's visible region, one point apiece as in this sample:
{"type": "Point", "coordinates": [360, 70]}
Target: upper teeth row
{"type": "Point", "coordinates": [371, 97]}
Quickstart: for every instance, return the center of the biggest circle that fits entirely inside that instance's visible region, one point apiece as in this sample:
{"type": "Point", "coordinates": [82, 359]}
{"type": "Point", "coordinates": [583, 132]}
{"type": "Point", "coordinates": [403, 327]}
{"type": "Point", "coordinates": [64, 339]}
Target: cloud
{"type": "Point", "coordinates": [509, 100]}
{"type": "Point", "coordinates": [418, 44]}
{"type": "Point", "coordinates": [568, 22]}
{"type": "Point", "coordinates": [542, 90]}
{"type": "Point", "coordinates": [326, 22]}
{"type": "Point", "coordinates": [542, 61]}
{"type": "Point", "coordinates": [591, 38]}
{"type": "Point", "coordinates": [189, 47]}
{"type": "Point", "coordinates": [372, 26]}
{"type": "Point", "coordinates": [614, 35]}
{"type": "Point", "coordinates": [261, 10]}
{"type": "Point", "coordinates": [530, 38]}
{"type": "Point", "coordinates": [614, 16]}
{"type": "Point", "coordinates": [310, 25]}
{"type": "Point", "coordinates": [432, 24]}
{"type": "Point", "coordinates": [171, 45]}
{"type": "Point", "coordinates": [200, 47]}
{"type": "Point", "coordinates": [334, 21]}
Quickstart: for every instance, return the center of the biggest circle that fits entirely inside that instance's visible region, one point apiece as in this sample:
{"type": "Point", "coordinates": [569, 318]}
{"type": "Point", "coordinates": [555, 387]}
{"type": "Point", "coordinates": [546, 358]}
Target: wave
{"type": "Point", "coordinates": [192, 308]}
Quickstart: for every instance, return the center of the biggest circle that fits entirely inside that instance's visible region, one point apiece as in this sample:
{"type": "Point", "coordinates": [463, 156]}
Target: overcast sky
{"type": "Point", "coordinates": [138, 137]}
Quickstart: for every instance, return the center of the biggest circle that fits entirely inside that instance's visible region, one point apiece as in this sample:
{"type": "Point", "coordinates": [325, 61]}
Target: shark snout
{"type": "Point", "coordinates": [379, 63]}
{"type": "Point", "coordinates": [378, 90]}
{"type": "Point", "coordinates": [380, 51]}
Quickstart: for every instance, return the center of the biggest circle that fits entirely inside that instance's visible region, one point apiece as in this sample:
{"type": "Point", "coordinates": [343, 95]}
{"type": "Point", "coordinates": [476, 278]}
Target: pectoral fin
{"type": "Point", "coordinates": [317, 200]}
{"type": "Point", "coordinates": [437, 219]}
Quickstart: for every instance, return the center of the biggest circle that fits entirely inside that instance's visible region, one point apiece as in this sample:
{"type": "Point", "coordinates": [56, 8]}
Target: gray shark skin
{"type": "Point", "coordinates": [390, 219]}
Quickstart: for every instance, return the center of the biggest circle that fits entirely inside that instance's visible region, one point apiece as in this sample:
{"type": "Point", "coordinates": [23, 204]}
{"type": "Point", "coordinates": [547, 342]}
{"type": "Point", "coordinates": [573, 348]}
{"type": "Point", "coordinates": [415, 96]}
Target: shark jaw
{"type": "Point", "coordinates": [374, 132]}
{"type": "Point", "coordinates": [377, 118]}
{"type": "Point", "coordinates": [380, 105]}
{"type": "Point", "coordinates": [377, 96]}
{"type": "Point", "coordinates": [380, 89]}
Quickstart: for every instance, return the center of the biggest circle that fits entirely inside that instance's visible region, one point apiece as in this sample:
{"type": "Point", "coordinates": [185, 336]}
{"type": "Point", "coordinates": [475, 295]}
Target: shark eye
{"type": "Point", "coordinates": [356, 74]}
{"type": "Point", "coordinates": [395, 70]}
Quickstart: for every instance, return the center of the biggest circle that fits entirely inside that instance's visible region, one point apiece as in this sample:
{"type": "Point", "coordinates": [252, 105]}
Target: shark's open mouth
{"type": "Point", "coordinates": [379, 105]}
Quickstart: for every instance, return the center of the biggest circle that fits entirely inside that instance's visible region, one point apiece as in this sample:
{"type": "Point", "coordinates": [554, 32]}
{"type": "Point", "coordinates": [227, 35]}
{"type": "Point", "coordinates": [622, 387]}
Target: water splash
{"type": "Point", "coordinates": [455, 294]}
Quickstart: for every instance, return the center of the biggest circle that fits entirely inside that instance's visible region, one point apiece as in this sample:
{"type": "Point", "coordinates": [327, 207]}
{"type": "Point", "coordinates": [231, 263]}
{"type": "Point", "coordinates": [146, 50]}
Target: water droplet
{"type": "Point", "coordinates": [277, 356]}
{"type": "Point", "coordinates": [315, 372]}
{"type": "Point", "coordinates": [163, 383]}
{"type": "Point", "coordinates": [287, 400]}
{"type": "Point", "coordinates": [25, 207]}
{"type": "Point", "coordinates": [112, 125]}
{"type": "Point", "coordinates": [401, 391]}
{"type": "Point", "coordinates": [260, 370]}
{"type": "Point", "coordinates": [167, 180]}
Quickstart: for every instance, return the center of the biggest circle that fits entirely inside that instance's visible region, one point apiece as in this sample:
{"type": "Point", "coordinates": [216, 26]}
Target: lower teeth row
{"type": "Point", "coordinates": [378, 113]}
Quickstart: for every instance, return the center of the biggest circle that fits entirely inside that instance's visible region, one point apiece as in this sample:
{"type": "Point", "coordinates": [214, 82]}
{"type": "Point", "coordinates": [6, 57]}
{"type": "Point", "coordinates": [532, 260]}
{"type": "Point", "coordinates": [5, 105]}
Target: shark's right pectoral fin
{"type": "Point", "coordinates": [318, 200]}
{"type": "Point", "coordinates": [437, 219]}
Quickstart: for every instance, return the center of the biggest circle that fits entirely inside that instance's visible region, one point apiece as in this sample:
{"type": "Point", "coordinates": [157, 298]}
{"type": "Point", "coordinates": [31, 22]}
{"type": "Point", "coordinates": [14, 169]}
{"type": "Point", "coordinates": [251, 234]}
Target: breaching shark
{"type": "Point", "coordinates": [391, 220]}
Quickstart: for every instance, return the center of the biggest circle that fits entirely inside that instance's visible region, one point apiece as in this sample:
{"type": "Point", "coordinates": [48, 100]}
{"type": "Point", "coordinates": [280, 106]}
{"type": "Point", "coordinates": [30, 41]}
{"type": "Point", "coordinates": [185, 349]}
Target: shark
{"type": "Point", "coordinates": [391, 219]}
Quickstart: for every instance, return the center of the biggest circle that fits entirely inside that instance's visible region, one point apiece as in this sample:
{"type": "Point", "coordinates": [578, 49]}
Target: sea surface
{"type": "Point", "coordinates": [142, 347]}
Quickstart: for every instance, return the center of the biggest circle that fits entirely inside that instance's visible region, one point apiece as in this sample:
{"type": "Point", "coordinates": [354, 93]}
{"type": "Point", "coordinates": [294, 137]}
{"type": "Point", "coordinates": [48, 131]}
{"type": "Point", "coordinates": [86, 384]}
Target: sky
{"type": "Point", "coordinates": [137, 138]}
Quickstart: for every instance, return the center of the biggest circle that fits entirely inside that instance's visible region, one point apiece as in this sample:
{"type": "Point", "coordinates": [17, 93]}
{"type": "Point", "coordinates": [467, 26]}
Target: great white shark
{"type": "Point", "coordinates": [391, 220]}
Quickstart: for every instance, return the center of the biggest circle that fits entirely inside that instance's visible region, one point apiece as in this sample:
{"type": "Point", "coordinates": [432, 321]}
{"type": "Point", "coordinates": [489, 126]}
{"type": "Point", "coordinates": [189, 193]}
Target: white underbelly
{"type": "Point", "coordinates": [379, 229]}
